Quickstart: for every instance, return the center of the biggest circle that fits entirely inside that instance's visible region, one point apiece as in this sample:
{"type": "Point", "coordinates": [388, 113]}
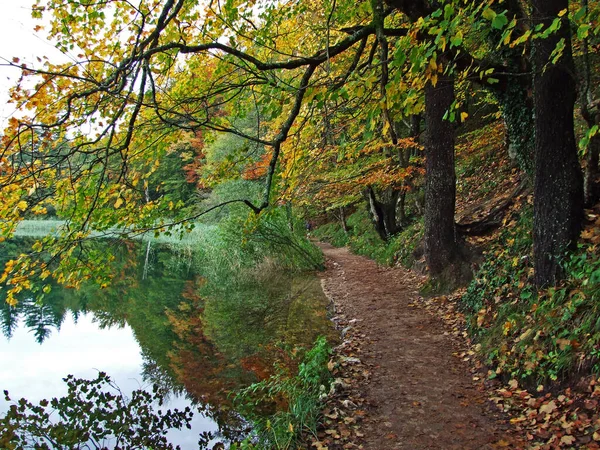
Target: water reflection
{"type": "Point", "coordinates": [81, 349]}
{"type": "Point", "coordinates": [161, 321]}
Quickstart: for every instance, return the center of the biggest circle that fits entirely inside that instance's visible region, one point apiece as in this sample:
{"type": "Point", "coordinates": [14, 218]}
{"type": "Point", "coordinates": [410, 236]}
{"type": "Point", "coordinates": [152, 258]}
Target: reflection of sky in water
{"type": "Point", "coordinates": [35, 371]}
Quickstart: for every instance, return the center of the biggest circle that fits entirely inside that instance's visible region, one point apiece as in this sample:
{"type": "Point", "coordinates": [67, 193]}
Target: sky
{"type": "Point", "coordinates": [17, 39]}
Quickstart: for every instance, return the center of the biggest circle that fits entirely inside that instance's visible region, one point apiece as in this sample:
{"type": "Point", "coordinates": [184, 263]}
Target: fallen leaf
{"type": "Point", "coordinates": [548, 408]}
{"type": "Point", "coordinates": [590, 404]}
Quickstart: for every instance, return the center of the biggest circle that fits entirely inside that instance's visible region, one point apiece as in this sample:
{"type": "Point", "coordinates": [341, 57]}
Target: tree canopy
{"type": "Point", "coordinates": [321, 102]}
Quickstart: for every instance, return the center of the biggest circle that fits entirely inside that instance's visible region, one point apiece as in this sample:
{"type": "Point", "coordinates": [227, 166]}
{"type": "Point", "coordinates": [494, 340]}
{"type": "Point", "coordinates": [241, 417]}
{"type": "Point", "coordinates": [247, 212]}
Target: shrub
{"type": "Point", "coordinates": [364, 240]}
{"type": "Point", "coordinates": [301, 393]}
{"type": "Point", "coordinates": [535, 336]}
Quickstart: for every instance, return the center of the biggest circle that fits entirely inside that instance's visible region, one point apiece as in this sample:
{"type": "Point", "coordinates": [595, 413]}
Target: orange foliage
{"type": "Point", "coordinates": [192, 170]}
{"type": "Point", "coordinates": [258, 169]}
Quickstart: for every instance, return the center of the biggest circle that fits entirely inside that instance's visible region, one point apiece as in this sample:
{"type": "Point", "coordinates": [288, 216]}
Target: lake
{"type": "Point", "coordinates": [168, 319]}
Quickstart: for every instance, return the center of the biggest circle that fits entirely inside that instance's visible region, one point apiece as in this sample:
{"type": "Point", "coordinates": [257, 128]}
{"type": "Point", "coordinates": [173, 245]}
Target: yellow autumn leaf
{"type": "Point", "coordinates": [386, 128]}
{"type": "Point", "coordinates": [463, 116]}
{"type": "Point", "coordinates": [22, 205]}
{"type": "Point", "coordinates": [118, 203]}
{"type": "Point", "coordinates": [10, 299]}
{"type": "Point", "coordinates": [434, 79]}
{"type": "Point", "coordinates": [481, 317]}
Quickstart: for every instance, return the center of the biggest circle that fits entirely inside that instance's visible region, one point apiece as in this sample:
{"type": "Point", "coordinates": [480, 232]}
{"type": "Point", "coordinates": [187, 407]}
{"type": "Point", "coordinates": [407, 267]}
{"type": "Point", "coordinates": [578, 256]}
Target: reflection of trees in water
{"type": "Point", "coordinates": [274, 308]}
{"type": "Point", "coordinates": [206, 339]}
{"type": "Point", "coordinates": [39, 317]}
{"type": "Point", "coordinates": [208, 376]}
{"type": "Point", "coordinates": [158, 376]}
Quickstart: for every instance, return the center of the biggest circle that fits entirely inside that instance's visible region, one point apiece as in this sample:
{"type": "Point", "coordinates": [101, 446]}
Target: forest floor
{"type": "Point", "coordinates": [401, 377]}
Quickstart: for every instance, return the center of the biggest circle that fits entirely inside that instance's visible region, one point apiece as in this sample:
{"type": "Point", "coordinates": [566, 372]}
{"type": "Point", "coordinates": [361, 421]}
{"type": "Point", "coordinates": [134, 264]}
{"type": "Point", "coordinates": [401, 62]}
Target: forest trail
{"type": "Point", "coordinates": [418, 395]}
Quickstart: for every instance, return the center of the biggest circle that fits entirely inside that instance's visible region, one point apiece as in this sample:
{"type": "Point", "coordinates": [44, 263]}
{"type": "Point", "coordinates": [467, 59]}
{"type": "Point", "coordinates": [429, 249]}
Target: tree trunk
{"type": "Point", "coordinates": [290, 216]}
{"type": "Point", "coordinates": [514, 91]}
{"type": "Point", "coordinates": [343, 220]}
{"type": "Point", "coordinates": [383, 211]}
{"type": "Point", "coordinates": [407, 183]}
{"type": "Point", "coordinates": [558, 186]}
{"type": "Point", "coordinates": [441, 248]}
{"type": "Point", "coordinates": [591, 114]}
{"type": "Point", "coordinates": [402, 207]}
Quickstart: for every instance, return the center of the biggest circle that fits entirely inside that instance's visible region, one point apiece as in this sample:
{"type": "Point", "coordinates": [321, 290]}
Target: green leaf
{"type": "Point", "coordinates": [555, 25]}
{"type": "Point", "coordinates": [499, 21]}
{"type": "Point", "coordinates": [489, 14]}
{"type": "Point", "coordinates": [457, 39]}
{"type": "Point", "coordinates": [583, 31]}
{"type": "Point", "coordinates": [448, 11]}
{"type": "Point", "coordinates": [580, 14]}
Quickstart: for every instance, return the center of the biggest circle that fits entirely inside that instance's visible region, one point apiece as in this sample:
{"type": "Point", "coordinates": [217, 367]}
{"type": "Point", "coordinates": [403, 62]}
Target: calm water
{"type": "Point", "coordinates": [162, 322]}
{"type": "Point", "coordinates": [82, 348]}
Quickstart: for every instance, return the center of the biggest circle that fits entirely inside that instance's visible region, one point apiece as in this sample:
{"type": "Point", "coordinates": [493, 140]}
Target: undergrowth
{"type": "Point", "coordinates": [479, 149]}
{"type": "Point", "coordinates": [535, 336]}
{"type": "Point", "coordinates": [364, 240]}
{"type": "Point", "coordinates": [301, 393]}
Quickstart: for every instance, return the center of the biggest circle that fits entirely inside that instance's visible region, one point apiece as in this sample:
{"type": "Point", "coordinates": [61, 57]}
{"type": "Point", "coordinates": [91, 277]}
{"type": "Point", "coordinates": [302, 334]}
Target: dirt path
{"type": "Point", "coordinates": [418, 396]}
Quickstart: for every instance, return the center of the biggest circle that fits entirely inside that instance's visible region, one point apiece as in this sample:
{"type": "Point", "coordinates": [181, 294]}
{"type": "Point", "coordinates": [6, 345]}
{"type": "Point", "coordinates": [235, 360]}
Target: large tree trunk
{"type": "Point", "coordinates": [343, 220]}
{"type": "Point", "coordinates": [514, 92]}
{"type": "Point", "coordinates": [441, 248]}
{"type": "Point", "coordinates": [558, 187]}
